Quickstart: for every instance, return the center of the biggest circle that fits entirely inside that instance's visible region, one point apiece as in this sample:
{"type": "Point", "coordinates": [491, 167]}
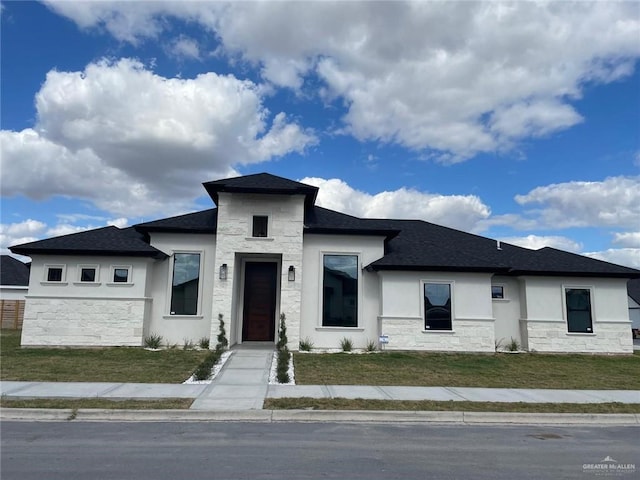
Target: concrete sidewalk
{"type": "Point", "coordinates": [241, 388]}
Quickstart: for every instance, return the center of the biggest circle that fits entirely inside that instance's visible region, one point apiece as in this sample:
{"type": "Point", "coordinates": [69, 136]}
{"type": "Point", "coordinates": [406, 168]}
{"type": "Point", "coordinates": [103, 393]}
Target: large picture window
{"type": "Point", "coordinates": [340, 291]}
{"type": "Point", "coordinates": [437, 306]}
{"type": "Point", "coordinates": [185, 285]}
{"type": "Point", "coordinates": [578, 303]}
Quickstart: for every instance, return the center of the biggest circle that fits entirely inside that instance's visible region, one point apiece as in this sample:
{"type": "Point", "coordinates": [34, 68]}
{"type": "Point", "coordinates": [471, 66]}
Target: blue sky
{"type": "Point", "coordinates": [512, 121]}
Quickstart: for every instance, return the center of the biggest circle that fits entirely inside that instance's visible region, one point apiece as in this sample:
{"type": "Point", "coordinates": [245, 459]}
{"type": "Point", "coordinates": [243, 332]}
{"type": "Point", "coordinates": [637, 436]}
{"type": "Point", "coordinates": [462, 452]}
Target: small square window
{"type": "Point", "coordinates": [497, 291]}
{"type": "Point", "coordinates": [88, 275]}
{"type": "Point", "coordinates": [54, 274]}
{"type": "Point", "coordinates": [260, 223]}
{"type": "Point", "coordinates": [120, 275]}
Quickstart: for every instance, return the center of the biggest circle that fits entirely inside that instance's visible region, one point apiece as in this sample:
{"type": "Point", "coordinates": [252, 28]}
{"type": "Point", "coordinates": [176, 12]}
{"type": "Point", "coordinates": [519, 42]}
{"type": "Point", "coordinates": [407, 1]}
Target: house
{"type": "Point", "coordinates": [633, 290]}
{"type": "Point", "coordinates": [14, 284]}
{"type": "Point", "coordinates": [267, 249]}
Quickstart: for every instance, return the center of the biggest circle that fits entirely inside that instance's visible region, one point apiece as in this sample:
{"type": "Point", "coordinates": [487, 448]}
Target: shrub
{"type": "Point", "coordinates": [203, 343]}
{"type": "Point", "coordinates": [187, 344]}
{"type": "Point", "coordinates": [153, 341]}
{"type": "Point", "coordinates": [372, 346]}
{"type": "Point", "coordinates": [346, 344]}
{"type": "Point", "coordinates": [513, 345]}
{"type": "Point", "coordinates": [203, 371]}
{"type": "Point", "coordinates": [282, 333]}
{"type": "Point", "coordinates": [282, 368]}
{"type": "Point", "coordinates": [499, 345]}
{"type": "Point", "coordinates": [306, 345]}
{"type": "Point", "coordinates": [222, 335]}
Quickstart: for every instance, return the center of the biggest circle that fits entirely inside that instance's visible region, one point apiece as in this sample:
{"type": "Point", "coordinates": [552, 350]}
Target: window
{"type": "Point", "coordinates": [437, 306]}
{"type": "Point", "coordinates": [578, 304]}
{"type": "Point", "coordinates": [340, 291]}
{"type": "Point", "coordinates": [497, 291]}
{"type": "Point", "coordinates": [120, 275]}
{"type": "Point", "coordinates": [54, 274]}
{"type": "Point", "coordinates": [185, 285]}
{"type": "Point", "coordinates": [87, 274]}
{"type": "Point", "coordinates": [260, 223]}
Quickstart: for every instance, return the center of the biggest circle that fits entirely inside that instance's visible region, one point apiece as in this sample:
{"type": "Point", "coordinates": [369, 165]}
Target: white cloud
{"type": "Point", "coordinates": [184, 47]}
{"type": "Point", "coordinates": [456, 78]}
{"type": "Point", "coordinates": [629, 257]}
{"type": "Point", "coordinates": [627, 239]}
{"type": "Point", "coordinates": [613, 202]}
{"type": "Point", "coordinates": [457, 211]}
{"type": "Point", "coordinates": [536, 242]}
{"type": "Point", "coordinates": [136, 143]}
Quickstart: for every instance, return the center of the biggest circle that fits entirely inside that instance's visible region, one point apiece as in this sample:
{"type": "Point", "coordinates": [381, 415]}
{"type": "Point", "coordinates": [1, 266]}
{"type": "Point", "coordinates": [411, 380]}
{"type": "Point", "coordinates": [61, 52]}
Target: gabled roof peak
{"type": "Point", "coordinates": [262, 183]}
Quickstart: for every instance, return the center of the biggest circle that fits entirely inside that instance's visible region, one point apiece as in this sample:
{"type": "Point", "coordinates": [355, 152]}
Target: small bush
{"type": "Point", "coordinates": [346, 344]}
{"type": "Point", "coordinates": [306, 345]}
{"type": "Point", "coordinates": [513, 345]}
{"type": "Point", "coordinates": [153, 341]}
{"type": "Point", "coordinates": [188, 344]}
{"type": "Point", "coordinates": [203, 343]}
{"type": "Point", "coordinates": [499, 345]}
{"type": "Point", "coordinates": [222, 335]}
{"type": "Point", "coordinates": [203, 371]}
{"type": "Point", "coordinates": [282, 368]}
{"type": "Point", "coordinates": [372, 346]}
{"type": "Point", "coordinates": [282, 334]}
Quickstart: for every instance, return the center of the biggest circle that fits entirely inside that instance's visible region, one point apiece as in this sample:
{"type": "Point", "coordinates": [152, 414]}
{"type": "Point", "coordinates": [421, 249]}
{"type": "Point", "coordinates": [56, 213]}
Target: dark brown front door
{"type": "Point", "coordinates": [259, 313]}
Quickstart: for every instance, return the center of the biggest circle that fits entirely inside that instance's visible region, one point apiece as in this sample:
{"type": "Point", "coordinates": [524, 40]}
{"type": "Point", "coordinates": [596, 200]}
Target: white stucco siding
{"type": "Point", "coordinates": [506, 311]}
{"type": "Point", "coordinates": [10, 292]}
{"type": "Point", "coordinates": [402, 316]}
{"type": "Point", "coordinates": [75, 313]}
{"type": "Point", "coordinates": [283, 244]}
{"type": "Point", "coordinates": [545, 316]}
{"type": "Point", "coordinates": [176, 329]}
{"type": "Point", "coordinates": [368, 249]}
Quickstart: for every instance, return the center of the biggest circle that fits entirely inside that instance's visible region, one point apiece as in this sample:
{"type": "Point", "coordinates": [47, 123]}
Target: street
{"type": "Point", "coordinates": [109, 450]}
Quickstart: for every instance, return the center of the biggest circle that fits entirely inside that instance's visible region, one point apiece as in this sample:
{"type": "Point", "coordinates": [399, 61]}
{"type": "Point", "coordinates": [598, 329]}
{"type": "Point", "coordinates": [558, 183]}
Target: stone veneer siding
{"type": "Point", "coordinates": [552, 336]}
{"type": "Point", "coordinates": [90, 322]}
{"type": "Point", "coordinates": [233, 241]}
{"type": "Point", "coordinates": [466, 336]}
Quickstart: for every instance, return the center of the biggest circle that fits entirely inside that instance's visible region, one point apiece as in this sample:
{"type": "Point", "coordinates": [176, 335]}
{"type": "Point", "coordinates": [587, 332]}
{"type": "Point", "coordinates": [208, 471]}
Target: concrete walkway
{"type": "Point", "coordinates": [241, 384]}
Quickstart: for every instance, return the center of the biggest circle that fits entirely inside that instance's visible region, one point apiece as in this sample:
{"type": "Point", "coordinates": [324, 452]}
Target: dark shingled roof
{"type": "Point", "coordinates": [322, 220]}
{"type": "Point", "coordinates": [13, 271]}
{"type": "Point", "coordinates": [198, 222]}
{"type": "Point", "coordinates": [426, 246]}
{"type": "Point", "coordinates": [109, 241]}
{"type": "Point", "coordinates": [633, 289]}
{"type": "Point", "coordinates": [263, 183]}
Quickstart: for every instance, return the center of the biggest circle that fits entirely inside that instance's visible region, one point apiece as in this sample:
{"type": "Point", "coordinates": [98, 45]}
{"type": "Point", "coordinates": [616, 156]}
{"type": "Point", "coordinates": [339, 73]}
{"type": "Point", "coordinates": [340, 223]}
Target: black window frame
{"type": "Point", "coordinates": [90, 278]}
{"type": "Point", "coordinates": [340, 293]}
{"type": "Point", "coordinates": [574, 311]}
{"type": "Point", "coordinates": [438, 317]}
{"type": "Point", "coordinates": [55, 278]}
{"type": "Point", "coordinates": [499, 296]}
{"type": "Point", "coordinates": [260, 226]}
{"type": "Point", "coordinates": [115, 277]}
{"type": "Point", "coordinates": [183, 302]}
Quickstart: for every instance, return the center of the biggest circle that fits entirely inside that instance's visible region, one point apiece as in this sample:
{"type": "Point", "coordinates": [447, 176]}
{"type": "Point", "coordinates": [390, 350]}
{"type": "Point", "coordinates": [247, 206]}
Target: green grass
{"type": "Point", "coordinates": [598, 372]}
{"type": "Point", "coordinates": [164, 404]}
{"type": "Point", "coordinates": [428, 405]}
{"type": "Point", "coordinates": [114, 364]}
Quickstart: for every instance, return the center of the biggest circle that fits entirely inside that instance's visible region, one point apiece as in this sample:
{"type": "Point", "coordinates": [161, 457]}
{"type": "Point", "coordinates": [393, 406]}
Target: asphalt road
{"type": "Point", "coordinates": [85, 450]}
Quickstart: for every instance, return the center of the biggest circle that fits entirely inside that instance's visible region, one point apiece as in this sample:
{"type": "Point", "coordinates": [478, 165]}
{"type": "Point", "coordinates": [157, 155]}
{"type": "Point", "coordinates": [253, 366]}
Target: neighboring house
{"type": "Point", "coordinates": [633, 289]}
{"type": "Point", "coordinates": [14, 284]}
{"type": "Point", "coordinates": [267, 250]}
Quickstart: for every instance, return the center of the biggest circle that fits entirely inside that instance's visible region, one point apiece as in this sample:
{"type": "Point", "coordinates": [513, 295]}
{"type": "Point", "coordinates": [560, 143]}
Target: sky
{"type": "Point", "coordinates": [517, 121]}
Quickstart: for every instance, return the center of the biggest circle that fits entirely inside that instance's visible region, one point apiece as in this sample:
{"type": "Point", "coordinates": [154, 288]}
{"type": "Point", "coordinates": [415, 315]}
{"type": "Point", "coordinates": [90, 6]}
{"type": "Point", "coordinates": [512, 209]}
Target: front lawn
{"type": "Point", "coordinates": [114, 364]}
{"type": "Point", "coordinates": [525, 370]}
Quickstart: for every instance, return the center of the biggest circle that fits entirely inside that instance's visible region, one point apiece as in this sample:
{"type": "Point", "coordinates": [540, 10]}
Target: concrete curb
{"type": "Point", "coordinates": [311, 416]}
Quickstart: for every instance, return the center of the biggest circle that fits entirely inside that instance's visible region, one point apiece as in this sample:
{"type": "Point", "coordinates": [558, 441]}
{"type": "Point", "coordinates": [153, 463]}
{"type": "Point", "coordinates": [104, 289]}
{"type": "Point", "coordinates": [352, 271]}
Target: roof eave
{"type": "Point", "coordinates": [157, 254]}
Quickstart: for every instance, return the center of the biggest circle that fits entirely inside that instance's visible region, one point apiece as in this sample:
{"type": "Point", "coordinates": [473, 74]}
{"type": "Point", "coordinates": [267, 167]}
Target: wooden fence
{"type": "Point", "coordinates": [11, 314]}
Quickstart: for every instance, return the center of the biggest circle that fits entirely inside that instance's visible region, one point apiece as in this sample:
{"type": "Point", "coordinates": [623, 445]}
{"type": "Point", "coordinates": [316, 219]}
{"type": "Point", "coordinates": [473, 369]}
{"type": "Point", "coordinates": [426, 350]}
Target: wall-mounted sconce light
{"type": "Point", "coordinates": [223, 271]}
{"type": "Point", "coordinates": [292, 273]}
